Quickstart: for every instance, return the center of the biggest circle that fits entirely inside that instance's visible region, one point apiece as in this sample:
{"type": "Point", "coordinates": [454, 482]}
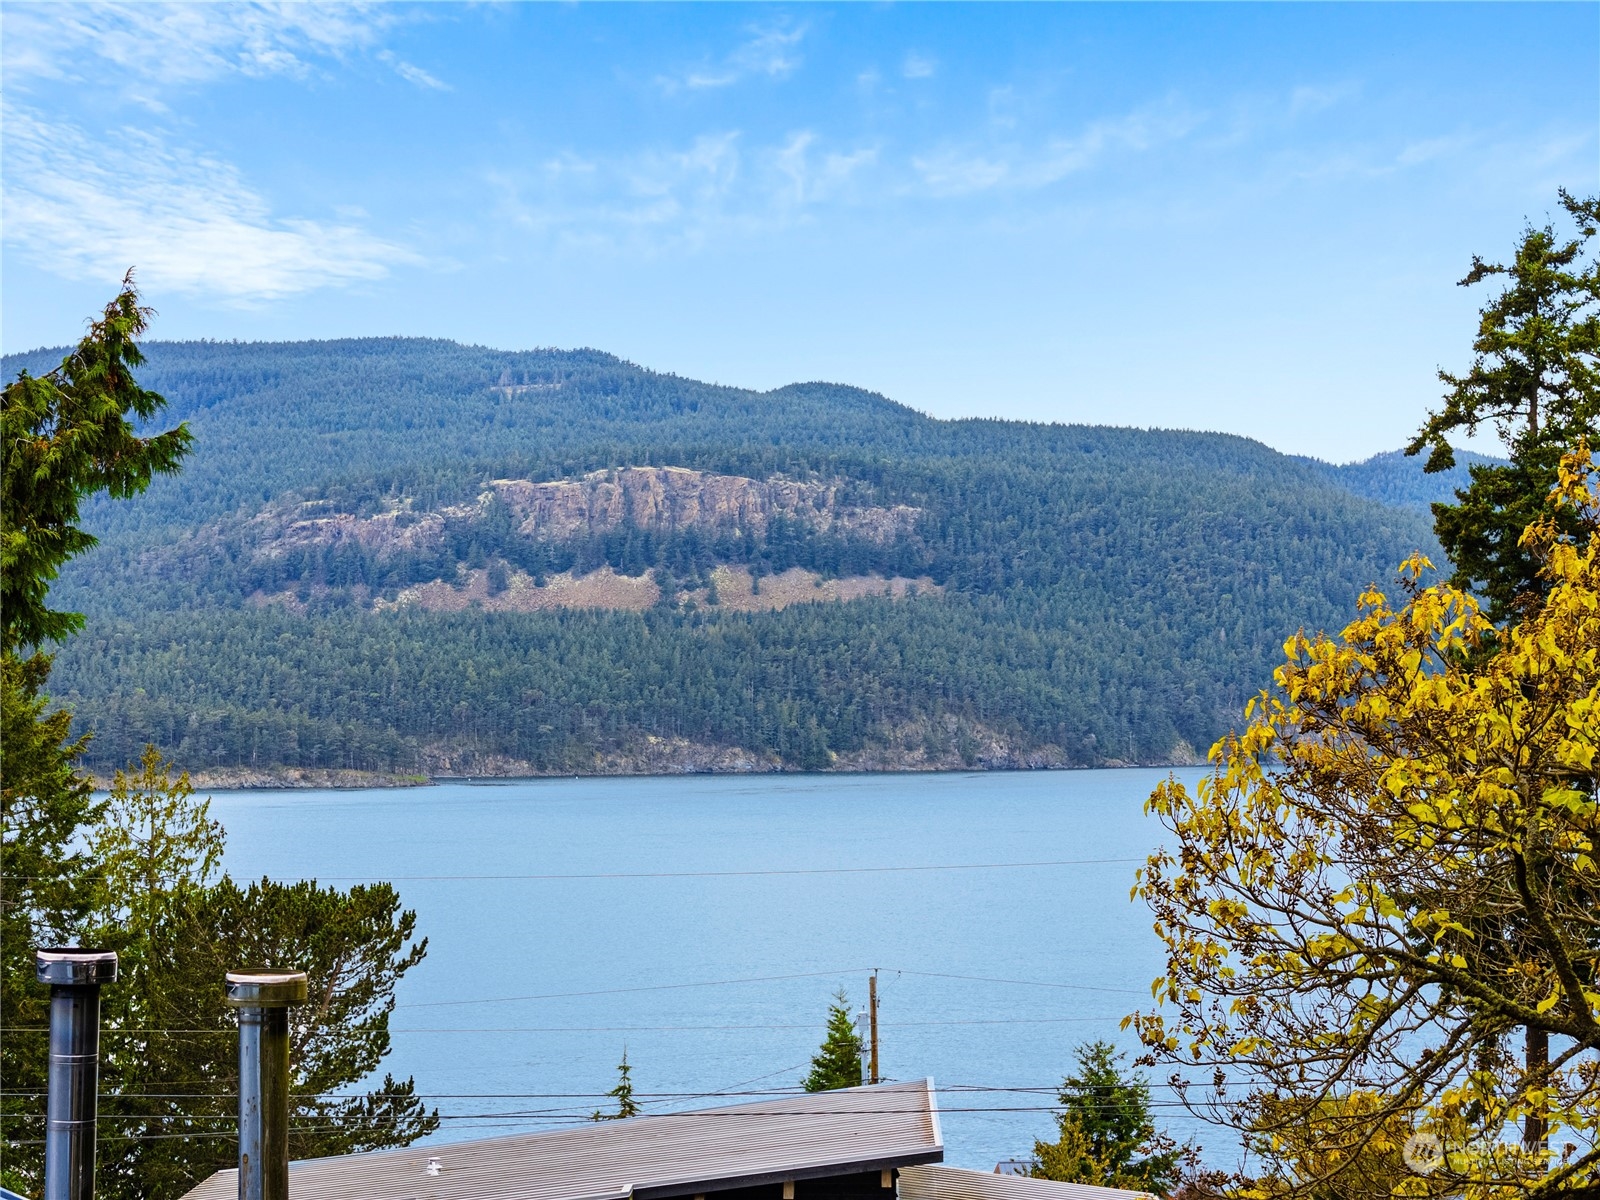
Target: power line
{"type": "Point", "coordinates": [513, 1119]}
{"type": "Point", "coordinates": [659, 987]}
{"type": "Point", "coordinates": [655, 987]}
{"type": "Point", "coordinates": [562, 1114]}
{"type": "Point", "coordinates": [231, 1031]}
{"type": "Point", "coordinates": [991, 866]}
{"type": "Point", "coordinates": [1076, 987]}
{"type": "Point", "coordinates": [734, 1092]}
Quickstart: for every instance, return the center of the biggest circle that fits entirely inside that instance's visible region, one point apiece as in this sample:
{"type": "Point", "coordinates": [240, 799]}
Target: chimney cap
{"type": "Point", "coordinates": [74, 966]}
{"type": "Point", "coordinates": [266, 988]}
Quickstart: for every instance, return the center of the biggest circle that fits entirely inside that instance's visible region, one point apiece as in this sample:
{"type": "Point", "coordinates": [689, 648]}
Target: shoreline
{"type": "Point", "coordinates": [267, 779]}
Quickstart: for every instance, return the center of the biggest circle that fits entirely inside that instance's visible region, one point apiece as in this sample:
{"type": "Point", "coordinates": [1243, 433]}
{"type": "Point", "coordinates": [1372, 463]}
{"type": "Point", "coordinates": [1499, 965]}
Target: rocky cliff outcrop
{"type": "Point", "coordinates": [676, 498]}
{"type": "Point", "coordinates": [666, 499]}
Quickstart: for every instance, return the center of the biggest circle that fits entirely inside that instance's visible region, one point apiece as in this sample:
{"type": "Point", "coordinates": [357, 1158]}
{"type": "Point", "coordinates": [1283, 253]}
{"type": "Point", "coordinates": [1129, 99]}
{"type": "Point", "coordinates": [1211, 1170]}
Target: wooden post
{"type": "Point", "coordinates": [872, 1009]}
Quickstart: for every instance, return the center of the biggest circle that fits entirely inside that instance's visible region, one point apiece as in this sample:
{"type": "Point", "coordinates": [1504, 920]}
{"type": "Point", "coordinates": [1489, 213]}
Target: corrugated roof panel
{"type": "Point", "coordinates": [823, 1133]}
{"type": "Point", "coordinates": [954, 1183]}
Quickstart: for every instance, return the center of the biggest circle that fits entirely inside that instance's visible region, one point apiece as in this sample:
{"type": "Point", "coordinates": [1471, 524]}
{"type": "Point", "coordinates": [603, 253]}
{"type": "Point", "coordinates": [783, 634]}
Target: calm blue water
{"type": "Point", "coordinates": [484, 1026]}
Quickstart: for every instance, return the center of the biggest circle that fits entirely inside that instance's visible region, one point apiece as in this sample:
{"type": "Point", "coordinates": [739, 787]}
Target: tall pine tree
{"type": "Point", "coordinates": [837, 1063]}
{"type": "Point", "coordinates": [137, 873]}
{"type": "Point", "coordinates": [1535, 380]}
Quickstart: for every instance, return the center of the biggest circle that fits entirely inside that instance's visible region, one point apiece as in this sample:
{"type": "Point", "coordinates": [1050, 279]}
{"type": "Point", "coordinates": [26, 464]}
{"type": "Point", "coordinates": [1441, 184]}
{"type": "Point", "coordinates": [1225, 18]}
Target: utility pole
{"type": "Point", "coordinates": [872, 1010]}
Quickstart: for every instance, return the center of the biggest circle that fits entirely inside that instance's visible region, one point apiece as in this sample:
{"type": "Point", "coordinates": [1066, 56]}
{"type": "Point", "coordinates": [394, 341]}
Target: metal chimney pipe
{"type": "Point", "coordinates": [263, 999]}
{"type": "Point", "coordinates": [74, 976]}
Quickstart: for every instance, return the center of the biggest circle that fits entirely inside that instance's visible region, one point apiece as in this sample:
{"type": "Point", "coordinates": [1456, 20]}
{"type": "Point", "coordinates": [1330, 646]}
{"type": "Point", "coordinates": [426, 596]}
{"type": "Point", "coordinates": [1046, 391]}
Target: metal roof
{"type": "Point", "coordinates": [953, 1183]}
{"type": "Point", "coordinates": [705, 1150]}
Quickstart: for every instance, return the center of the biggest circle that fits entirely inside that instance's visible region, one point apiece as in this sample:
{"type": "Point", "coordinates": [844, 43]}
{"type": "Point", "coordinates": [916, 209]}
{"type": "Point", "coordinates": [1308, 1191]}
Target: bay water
{"type": "Point", "coordinates": [702, 924]}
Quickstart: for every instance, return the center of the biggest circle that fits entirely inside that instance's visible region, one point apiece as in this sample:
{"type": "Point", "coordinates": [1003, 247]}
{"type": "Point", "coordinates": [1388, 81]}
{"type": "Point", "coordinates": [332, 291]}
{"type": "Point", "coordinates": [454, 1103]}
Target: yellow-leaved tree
{"type": "Point", "coordinates": [1382, 909]}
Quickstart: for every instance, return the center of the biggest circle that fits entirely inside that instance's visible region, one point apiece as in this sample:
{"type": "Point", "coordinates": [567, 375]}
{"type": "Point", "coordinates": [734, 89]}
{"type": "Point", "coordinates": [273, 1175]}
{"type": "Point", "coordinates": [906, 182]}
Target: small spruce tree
{"type": "Point", "coordinates": [627, 1106]}
{"type": "Point", "coordinates": [1105, 1134]}
{"type": "Point", "coordinates": [837, 1063]}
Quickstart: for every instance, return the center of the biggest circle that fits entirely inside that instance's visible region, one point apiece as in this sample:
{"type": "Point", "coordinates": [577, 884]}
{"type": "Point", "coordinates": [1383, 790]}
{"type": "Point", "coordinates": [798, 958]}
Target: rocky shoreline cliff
{"type": "Point", "coordinates": [675, 756]}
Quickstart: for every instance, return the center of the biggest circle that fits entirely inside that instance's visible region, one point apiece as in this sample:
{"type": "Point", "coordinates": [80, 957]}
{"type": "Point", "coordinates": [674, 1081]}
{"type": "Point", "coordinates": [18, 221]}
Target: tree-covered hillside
{"type": "Point", "coordinates": [1395, 478]}
{"type": "Point", "coordinates": [1090, 594]}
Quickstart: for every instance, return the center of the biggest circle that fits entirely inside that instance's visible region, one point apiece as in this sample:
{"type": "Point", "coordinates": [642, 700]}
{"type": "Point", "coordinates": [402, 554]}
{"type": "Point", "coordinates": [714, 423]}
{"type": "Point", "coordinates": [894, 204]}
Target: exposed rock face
{"type": "Point", "coordinates": [667, 499]}
{"type": "Point", "coordinates": [598, 589]}
{"type": "Point", "coordinates": [735, 591]}
{"type": "Point", "coordinates": [397, 530]}
{"type": "Point", "coordinates": [676, 498]}
{"type": "Point", "coordinates": [235, 779]}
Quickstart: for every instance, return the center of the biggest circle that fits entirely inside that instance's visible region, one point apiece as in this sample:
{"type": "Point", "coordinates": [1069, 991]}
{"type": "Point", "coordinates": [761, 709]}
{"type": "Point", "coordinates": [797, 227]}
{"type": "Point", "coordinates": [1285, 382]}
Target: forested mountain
{"type": "Point", "coordinates": [1393, 478]}
{"type": "Point", "coordinates": [411, 555]}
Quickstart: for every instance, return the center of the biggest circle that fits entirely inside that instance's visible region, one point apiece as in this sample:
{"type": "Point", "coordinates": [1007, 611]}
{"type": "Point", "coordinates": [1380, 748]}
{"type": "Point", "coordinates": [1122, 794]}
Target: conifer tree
{"type": "Point", "coordinates": [837, 1064]}
{"type": "Point", "coordinates": [622, 1093]}
{"type": "Point", "coordinates": [137, 873]}
{"type": "Point", "coordinates": [1106, 1136]}
{"type": "Point", "coordinates": [64, 437]}
{"type": "Point", "coordinates": [1534, 379]}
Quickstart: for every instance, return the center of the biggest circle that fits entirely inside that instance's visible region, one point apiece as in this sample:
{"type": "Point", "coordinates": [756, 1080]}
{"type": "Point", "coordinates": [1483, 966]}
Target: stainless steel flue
{"type": "Point", "coordinates": [263, 999]}
{"type": "Point", "coordinates": [75, 976]}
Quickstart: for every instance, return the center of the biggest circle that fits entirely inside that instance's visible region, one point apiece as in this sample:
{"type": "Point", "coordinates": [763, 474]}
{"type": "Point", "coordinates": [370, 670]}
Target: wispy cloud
{"type": "Point", "coordinates": [770, 50]}
{"type": "Point", "coordinates": [963, 170]}
{"type": "Point", "coordinates": [410, 72]}
{"type": "Point", "coordinates": [817, 177]}
{"type": "Point", "coordinates": [647, 200]}
{"type": "Point", "coordinates": [714, 187]}
{"type": "Point", "coordinates": [154, 47]}
{"type": "Point", "coordinates": [918, 66]}
{"type": "Point", "coordinates": [89, 208]}
{"type": "Point", "coordinates": [1483, 156]}
{"type": "Point", "coordinates": [1309, 99]}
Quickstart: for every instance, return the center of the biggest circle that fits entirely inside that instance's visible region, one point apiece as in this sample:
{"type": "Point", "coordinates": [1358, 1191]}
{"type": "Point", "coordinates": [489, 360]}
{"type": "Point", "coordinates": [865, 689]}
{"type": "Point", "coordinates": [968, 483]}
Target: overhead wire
{"type": "Point", "coordinates": [729, 1093]}
{"type": "Point", "coordinates": [572, 1117]}
{"type": "Point", "coordinates": [660, 987]}
{"type": "Point", "coordinates": [233, 1031]}
{"type": "Point", "coordinates": [751, 872]}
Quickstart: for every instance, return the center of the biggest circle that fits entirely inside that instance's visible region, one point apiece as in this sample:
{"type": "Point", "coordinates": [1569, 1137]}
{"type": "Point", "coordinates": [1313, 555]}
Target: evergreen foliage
{"type": "Point", "coordinates": [44, 892]}
{"type": "Point", "coordinates": [622, 1093]}
{"type": "Point", "coordinates": [1535, 379]}
{"type": "Point", "coordinates": [177, 928]}
{"type": "Point", "coordinates": [837, 1063]}
{"type": "Point", "coordinates": [1108, 595]}
{"type": "Point", "coordinates": [1394, 477]}
{"type": "Point", "coordinates": [135, 873]}
{"type": "Point", "coordinates": [66, 436]}
{"type": "Point", "coordinates": [1105, 1134]}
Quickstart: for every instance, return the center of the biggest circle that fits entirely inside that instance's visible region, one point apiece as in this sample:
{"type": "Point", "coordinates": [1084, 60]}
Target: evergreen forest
{"type": "Point", "coordinates": [1084, 595]}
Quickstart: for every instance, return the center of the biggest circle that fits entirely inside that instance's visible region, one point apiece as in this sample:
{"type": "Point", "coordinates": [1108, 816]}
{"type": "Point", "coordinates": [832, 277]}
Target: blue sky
{"type": "Point", "coordinates": [1236, 217]}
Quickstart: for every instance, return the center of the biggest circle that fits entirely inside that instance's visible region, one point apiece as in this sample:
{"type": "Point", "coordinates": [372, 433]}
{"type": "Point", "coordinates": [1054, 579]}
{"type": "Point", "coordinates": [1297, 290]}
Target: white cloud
{"type": "Point", "coordinates": [412, 73]}
{"type": "Point", "coordinates": [712, 188]}
{"type": "Point", "coordinates": [89, 208]}
{"type": "Point", "coordinates": [649, 201]}
{"type": "Point", "coordinates": [154, 47]}
{"type": "Point", "coordinates": [1309, 99]}
{"type": "Point", "coordinates": [816, 178]}
{"type": "Point", "coordinates": [1003, 107]}
{"type": "Point", "coordinates": [918, 66]}
{"type": "Point", "coordinates": [954, 171]}
{"type": "Point", "coordinates": [771, 50]}
{"type": "Point", "coordinates": [950, 172]}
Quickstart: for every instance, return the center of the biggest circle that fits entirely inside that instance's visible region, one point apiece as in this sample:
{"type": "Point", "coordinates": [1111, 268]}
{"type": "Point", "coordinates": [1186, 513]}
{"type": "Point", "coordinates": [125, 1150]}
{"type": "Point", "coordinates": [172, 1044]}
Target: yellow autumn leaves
{"type": "Point", "coordinates": [1382, 909]}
